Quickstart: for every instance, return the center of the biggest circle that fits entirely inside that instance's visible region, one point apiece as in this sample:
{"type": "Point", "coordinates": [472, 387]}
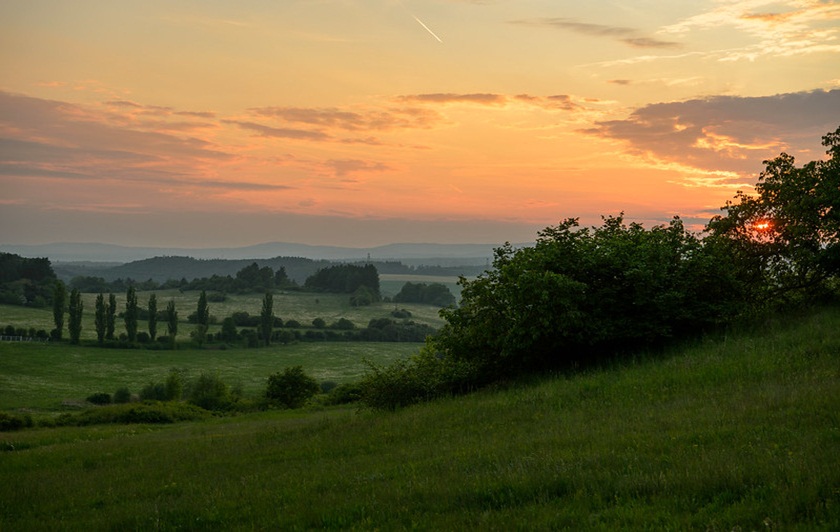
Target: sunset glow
{"type": "Point", "coordinates": [367, 122]}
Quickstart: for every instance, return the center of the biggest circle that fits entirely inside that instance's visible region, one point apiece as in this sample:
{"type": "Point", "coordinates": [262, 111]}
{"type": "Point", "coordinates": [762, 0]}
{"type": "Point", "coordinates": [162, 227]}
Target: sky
{"type": "Point", "coordinates": [212, 123]}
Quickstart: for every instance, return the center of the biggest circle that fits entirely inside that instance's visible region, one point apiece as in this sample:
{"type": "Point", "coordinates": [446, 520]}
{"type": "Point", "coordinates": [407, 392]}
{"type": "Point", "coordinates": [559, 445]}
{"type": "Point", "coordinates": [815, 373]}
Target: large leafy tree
{"type": "Point", "coordinates": [786, 236]}
{"type": "Point", "coordinates": [583, 293]}
{"type": "Point", "coordinates": [74, 311]}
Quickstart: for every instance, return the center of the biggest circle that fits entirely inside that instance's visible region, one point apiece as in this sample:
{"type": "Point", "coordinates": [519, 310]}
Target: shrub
{"type": "Point", "coordinates": [344, 394]}
{"type": "Point", "coordinates": [153, 392]}
{"type": "Point", "coordinates": [100, 398]}
{"type": "Point", "coordinates": [10, 422]}
{"type": "Point", "coordinates": [152, 412]}
{"type": "Point", "coordinates": [122, 395]}
{"type": "Point", "coordinates": [210, 393]}
{"type": "Point", "coordinates": [328, 386]}
{"type": "Point", "coordinates": [291, 388]}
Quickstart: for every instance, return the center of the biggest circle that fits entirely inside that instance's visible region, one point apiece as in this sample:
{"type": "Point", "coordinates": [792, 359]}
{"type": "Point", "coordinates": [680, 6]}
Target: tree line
{"type": "Point", "coordinates": [582, 295]}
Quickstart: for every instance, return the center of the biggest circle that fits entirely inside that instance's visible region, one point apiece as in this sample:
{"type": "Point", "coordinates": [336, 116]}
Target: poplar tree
{"type": "Point", "coordinates": [111, 317]}
{"type": "Point", "coordinates": [131, 314]}
{"type": "Point", "coordinates": [59, 302]}
{"type": "Point", "coordinates": [153, 317]}
{"type": "Point", "coordinates": [74, 322]}
{"type": "Point", "coordinates": [101, 318]}
{"type": "Point", "coordinates": [171, 321]}
{"type": "Point", "coordinates": [267, 317]}
{"type": "Point", "coordinates": [202, 319]}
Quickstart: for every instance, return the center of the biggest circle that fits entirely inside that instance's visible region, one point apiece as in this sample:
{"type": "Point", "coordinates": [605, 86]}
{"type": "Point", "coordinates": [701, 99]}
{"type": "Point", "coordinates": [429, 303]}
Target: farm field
{"type": "Point", "coordinates": [300, 306]}
{"type": "Point", "coordinates": [740, 433]}
{"type": "Point", "coordinates": [47, 378]}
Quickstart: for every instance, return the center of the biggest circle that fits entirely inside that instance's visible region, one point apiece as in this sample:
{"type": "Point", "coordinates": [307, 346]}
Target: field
{"type": "Point", "coordinates": [737, 433]}
{"type": "Point", "coordinates": [300, 306]}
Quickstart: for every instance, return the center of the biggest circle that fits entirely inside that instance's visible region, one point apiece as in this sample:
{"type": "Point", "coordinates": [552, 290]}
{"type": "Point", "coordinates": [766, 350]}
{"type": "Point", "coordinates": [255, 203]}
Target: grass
{"type": "Point", "coordinates": [300, 306]}
{"type": "Point", "coordinates": [741, 433]}
{"type": "Point", "coordinates": [43, 377]}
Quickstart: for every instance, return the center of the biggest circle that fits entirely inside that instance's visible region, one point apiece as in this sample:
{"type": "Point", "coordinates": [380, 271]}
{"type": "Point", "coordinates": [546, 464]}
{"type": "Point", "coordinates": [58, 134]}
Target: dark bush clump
{"type": "Point", "coordinates": [291, 388]}
{"type": "Point", "coordinates": [10, 422]}
{"type": "Point", "coordinates": [100, 398]}
{"type": "Point", "coordinates": [122, 395]}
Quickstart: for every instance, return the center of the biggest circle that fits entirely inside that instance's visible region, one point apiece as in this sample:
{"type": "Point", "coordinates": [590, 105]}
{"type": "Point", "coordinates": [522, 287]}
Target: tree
{"type": "Point", "coordinates": [267, 318]}
{"type": "Point", "coordinates": [59, 303]}
{"type": "Point", "coordinates": [786, 237]}
{"type": "Point", "coordinates": [202, 319]}
{"type": "Point", "coordinates": [111, 317]}
{"type": "Point", "coordinates": [100, 318]}
{"type": "Point", "coordinates": [171, 322]}
{"type": "Point", "coordinates": [74, 322]}
{"type": "Point", "coordinates": [229, 332]}
{"type": "Point", "coordinates": [131, 314]}
{"type": "Point", "coordinates": [291, 388]}
{"type": "Point", "coordinates": [581, 294]}
{"type": "Point", "coordinates": [153, 317]}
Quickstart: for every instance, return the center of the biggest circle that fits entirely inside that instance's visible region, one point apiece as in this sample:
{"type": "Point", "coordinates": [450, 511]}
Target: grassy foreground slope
{"type": "Point", "coordinates": [742, 432]}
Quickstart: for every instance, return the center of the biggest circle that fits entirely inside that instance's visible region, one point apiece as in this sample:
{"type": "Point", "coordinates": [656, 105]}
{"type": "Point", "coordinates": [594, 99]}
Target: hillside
{"type": "Point", "coordinates": [736, 433]}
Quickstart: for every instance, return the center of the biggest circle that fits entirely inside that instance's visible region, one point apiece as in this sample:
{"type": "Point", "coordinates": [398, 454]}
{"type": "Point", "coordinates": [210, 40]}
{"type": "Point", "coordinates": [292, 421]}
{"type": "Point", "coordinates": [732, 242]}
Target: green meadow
{"type": "Point", "coordinates": [740, 432]}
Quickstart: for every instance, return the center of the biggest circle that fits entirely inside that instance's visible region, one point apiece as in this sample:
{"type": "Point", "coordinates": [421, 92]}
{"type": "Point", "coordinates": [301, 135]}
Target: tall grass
{"type": "Point", "coordinates": [722, 435]}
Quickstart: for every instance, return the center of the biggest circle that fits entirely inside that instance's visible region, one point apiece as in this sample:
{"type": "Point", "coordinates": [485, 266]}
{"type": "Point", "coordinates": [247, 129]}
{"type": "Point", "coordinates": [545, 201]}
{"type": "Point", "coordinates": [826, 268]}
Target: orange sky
{"type": "Point", "coordinates": [358, 123]}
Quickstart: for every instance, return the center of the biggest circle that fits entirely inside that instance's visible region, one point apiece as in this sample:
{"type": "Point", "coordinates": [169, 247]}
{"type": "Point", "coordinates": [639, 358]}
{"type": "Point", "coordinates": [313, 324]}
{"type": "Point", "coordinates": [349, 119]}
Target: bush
{"type": "Point", "coordinates": [153, 392]}
{"type": "Point", "coordinates": [151, 412]}
{"type": "Point", "coordinates": [291, 388]}
{"type": "Point", "coordinates": [122, 395]}
{"type": "Point", "coordinates": [210, 393]}
{"type": "Point", "coordinates": [99, 398]}
{"type": "Point", "coordinates": [10, 422]}
{"type": "Point", "coordinates": [344, 394]}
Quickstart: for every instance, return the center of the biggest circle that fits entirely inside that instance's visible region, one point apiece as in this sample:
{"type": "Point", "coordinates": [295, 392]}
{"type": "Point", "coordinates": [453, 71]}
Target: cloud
{"type": "Point", "coordinates": [285, 133]}
{"type": "Point", "coordinates": [629, 36]}
{"type": "Point", "coordinates": [353, 120]}
{"type": "Point", "coordinates": [343, 167]}
{"type": "Point", "coordinates": [445, 98]}
{"type": "Point", "coordinates": [727, 135]}
{"type": "Point", "coordinates": [792, 28]}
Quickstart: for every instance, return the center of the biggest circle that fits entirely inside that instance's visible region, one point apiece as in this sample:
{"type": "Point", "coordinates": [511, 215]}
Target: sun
{"type": "Point", "coordinates": [762, 225]}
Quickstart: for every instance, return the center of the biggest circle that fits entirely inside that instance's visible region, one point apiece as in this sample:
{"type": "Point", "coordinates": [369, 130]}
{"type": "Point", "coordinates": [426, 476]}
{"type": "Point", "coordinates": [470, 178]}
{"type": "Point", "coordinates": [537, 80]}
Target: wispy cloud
{"type": "Point", "coordinates": [726, 136]}
{"type": "Point", "coordinates": [444, 98]}
{"type": "Point", "coordinates": [629, 36]}
{"type": "Point", "coordinates": [781, 28]}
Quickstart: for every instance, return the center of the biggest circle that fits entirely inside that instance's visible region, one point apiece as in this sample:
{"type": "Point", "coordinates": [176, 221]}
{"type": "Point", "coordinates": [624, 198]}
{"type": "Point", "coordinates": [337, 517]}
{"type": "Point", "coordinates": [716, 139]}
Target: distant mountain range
{"type": "Point", "coordinates": [433, 254]}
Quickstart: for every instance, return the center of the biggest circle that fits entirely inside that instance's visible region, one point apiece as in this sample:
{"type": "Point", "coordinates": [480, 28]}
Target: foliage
{"type": "Point", "coordinates": [10, 422]}
{"type": "Point", "coordinates": [580, 294]}
{"type": "Point", "coordinates": [291, 388]}
{"type": "Point", "coordinates": [100, 317]}
{"type": "Point", "coordinates": [59, 304]}
{"type": "Point", "coordinates": [147, 412]}
{"type": "Point", "coordinates": [171, 321]}
{"type": "Point", "coordinates": [131, 316]}
{"type": "Point", "coordinates": [209, 392]}
{"type": "Point", "coordinates": [431, 294]}
{"type": "Point", "coordinates": [74, 321]}
{"type": "Point", "coordinates": [99, 398]}
{"type": "Point", "coordinates": [786, 238]}
{"type": "Point", "coordinates": [111, 317]}
{"type": "Point", "coordinates": [267, 317]}
{"type": "Point", "coordinates": [202, 319]}
{"type": "Point", "coordinates": [25, 281]}
{"type": "Point", "coordinates": [152, 317]}
{"type": "Point", "coordinates": [346, 279]}
{"type": "Point", "coordinates": [122, 395]}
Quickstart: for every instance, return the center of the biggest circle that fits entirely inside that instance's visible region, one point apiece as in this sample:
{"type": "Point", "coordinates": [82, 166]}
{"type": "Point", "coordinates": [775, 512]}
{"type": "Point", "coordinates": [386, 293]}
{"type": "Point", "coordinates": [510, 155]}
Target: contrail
{"type": "Point", "coordinates": [426, 28]}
